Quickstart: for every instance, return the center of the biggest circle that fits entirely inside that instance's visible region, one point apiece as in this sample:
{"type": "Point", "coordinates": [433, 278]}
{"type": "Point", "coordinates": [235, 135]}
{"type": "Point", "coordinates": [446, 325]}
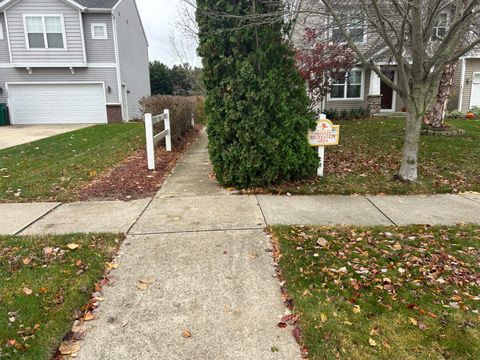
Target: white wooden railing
{"type": "Point", "coordinates": [152, 139]}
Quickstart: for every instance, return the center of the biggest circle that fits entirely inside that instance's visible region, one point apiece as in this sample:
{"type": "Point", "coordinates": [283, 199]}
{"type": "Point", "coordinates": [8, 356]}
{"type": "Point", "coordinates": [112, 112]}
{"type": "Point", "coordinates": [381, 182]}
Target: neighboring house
{"type": "Point", "coordinates": [72, 61]}
{"type": "Point", "coordinates": [362, 88]}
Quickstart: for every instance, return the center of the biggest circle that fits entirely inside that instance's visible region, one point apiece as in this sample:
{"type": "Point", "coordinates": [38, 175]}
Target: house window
{"type": "Point", "coordinates": [99, 32]}
{"type": "Point", "coordinates": [348, 88]}
{"type": "Point", "coordinates": [45, 31]}
{"type": "Point", "coordinates": [1, 31]}
{"type": "Point", "coordinates": [353, 25]}
{"type": "Point", "coordinates": [441, 27]}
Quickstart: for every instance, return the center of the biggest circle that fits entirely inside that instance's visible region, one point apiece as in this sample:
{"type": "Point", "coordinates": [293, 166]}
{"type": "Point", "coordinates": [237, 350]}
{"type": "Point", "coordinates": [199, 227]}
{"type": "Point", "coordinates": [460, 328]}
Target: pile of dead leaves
{"type": "Point", "coordinates": [132, 180]}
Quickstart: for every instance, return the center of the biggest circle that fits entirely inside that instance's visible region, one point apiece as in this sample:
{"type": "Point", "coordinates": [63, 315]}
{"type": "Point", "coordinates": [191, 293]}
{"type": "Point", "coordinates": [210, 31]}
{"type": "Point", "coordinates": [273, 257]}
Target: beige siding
{"type": "Point", "coordinates": [106, 75]}
{"type": "Point", "coordinates": [4, 54]}
{"type": "Point", "coordinates": [472, 65]}
{"type": "Point", "coordinates": [100, 50]}
{"type": "Point", "coordinates": [133, 54]}
{"type": "Point", "coordinates": [20, 53]}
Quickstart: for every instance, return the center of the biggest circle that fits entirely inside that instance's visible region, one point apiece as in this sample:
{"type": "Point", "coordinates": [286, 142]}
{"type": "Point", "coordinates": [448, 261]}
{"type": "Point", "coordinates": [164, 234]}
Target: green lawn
{"type": "Point", "coordinates": [369, 153]}
{"type": "Point", "coordinates": [43, 284]}
{"type": "Point", "coordinates": [384, 292]}
{"type": "Point", "coordinates": [56, 167]}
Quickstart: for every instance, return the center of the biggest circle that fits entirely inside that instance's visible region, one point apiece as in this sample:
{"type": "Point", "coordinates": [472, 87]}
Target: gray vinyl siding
{"type": "Point", "coordinates": [20, 54]}
{"type": "Point", "coordinates": [100, 50]}
{"type": "Point", "coordinates": [106, 75]}
{"type": "Point", "coordinates": [472, 65]}
{"type": "Point", "coordinates": [133, 54]}
{"type": "Point", "coordinates": [4, 53]}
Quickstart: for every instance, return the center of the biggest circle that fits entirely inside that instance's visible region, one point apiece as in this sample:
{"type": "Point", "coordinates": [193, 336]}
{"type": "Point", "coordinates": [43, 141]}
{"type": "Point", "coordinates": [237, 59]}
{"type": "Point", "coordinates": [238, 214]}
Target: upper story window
{"type": "Point", "coordinates": [441, 27]}
{"type": "Point", "coordinates": [99, 31]}
{"type": "Point", "coordinates": [354, 25]}
{"type": "Point", "coordinates": [350, 88]}
{"type": "Point", "coordinates": [1, 32]}
{"type": "Point", "coordinates": [45, 31]}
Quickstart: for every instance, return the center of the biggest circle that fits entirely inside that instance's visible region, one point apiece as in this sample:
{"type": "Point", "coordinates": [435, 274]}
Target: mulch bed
{"type": "Point", "coordinates": [132, 180]}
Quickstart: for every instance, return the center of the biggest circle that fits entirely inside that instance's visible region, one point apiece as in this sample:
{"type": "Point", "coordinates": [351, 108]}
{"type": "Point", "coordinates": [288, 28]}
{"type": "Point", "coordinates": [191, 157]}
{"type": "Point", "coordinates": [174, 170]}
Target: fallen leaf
{"type": "Point", "coordinates": [356, 309]}
{"type": "Point", "coordinates": [27, 291]}
{"type": "Point", "coordinates": [322, 242]}
{"type": "Point", "coordinates": [186, 334]}
{"type": "Point", "coordinates": [374, 331]}
{"type": "Point", "coordinates": [89, 316]}
{"type": "Point", "coordinates": [142, 286]}
{"type": "Point", "coordinates": [282, 325]}
{"type": "Point", "coordinates": [72, 246]}
{"type": "Point", "coordinates": [413, 321]}
{"type": "Point", "coordinates": [397, 246]}
{"type": "Point", "coordinates": [274, 349]}
{"type": "Point", "coordinates": [42, 290]}
{"type": "Point", "coordinates": [323, 317]}
{"type": "Point", "coordinates": [69, 348]}
{"type": "Point", "coordinates": [372, 342]}
{"type": "Point", "coordinates": [422, 325]}
{"type": "Point", "coordinates": [26, 261]}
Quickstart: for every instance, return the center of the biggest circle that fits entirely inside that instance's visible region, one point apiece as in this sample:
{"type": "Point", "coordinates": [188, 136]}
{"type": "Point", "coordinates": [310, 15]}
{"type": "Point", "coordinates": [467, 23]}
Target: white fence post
{"type": "Point", "coordinates": [150, 145]}
{"type": "Point", "coordinates": [168, 137]}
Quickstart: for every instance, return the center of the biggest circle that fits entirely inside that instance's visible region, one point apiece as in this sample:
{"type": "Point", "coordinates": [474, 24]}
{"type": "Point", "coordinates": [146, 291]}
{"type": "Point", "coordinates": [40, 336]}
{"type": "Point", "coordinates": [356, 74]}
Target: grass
{"type": "Point", "coordinates": [369, 153]}
{"type": "Point", "coordinates": [60, 280]}
{"type": "Point", "coordinates": [53, 169]}
{"type": "Point", "coordinates": [384, 292]}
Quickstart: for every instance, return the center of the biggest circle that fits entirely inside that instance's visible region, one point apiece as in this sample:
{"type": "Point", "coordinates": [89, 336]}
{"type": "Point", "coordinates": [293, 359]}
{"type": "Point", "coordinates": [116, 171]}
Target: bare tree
{"type": "Point", "coordinates": [400, 33]}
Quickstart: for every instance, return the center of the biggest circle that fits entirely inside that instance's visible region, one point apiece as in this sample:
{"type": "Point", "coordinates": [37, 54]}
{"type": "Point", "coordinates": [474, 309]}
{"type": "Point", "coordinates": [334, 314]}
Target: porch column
{"type": "Point", "coordinates": [374, 96]}
{"type": "Point", "coordinates": [374, 83]}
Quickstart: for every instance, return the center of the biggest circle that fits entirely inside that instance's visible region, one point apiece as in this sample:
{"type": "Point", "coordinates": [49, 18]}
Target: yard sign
{"type": "Point", "coordinates": [325, 134]}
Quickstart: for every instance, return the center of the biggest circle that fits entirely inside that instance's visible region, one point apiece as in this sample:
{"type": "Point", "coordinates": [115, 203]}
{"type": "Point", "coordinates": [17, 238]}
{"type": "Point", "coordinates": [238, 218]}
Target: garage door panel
{"type": "Point", "coordinates": [57, 103]}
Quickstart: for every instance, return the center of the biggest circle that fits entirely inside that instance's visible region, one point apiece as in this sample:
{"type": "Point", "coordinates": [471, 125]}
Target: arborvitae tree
{"type": "Point", "coordinates": [257, 106]}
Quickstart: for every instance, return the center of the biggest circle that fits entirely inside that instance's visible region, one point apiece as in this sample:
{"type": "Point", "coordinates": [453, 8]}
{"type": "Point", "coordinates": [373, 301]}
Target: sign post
{"type": "Point", "coordinates": [325, 134]}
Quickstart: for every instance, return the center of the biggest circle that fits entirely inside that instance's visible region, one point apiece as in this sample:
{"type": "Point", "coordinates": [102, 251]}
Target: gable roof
{"type": "Point", "coordinates": [98, 4]}
{"type": "Point", "coordinates": [83, 4]}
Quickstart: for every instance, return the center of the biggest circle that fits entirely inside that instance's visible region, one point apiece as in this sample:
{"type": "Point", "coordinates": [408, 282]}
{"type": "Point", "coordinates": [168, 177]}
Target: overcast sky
{"type": "Point", "coordinates": [159, 18]}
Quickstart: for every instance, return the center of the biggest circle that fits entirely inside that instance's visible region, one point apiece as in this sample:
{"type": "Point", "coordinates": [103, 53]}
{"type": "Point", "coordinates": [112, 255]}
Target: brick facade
{"type": "Point", "coordinates": [114, 114]}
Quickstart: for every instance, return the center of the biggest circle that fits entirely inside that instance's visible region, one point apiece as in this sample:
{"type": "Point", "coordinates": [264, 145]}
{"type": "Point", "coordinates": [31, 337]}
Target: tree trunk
{"type": "Point", "coordinates": [436, 114]}
{"type": "Point", "coordinates": [408, 169]}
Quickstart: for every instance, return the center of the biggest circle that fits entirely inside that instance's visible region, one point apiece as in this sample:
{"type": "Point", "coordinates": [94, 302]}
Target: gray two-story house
{"type": "Point", "coordinates": [72, 61]}
{"type": "Point", "coordinates": [362, 85]}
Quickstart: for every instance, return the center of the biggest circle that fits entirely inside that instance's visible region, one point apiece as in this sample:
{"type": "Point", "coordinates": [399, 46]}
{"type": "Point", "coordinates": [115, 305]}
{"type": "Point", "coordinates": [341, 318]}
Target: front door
{"type": "Point", "coordinates": [475, 97]}
{"type": "Point", "coordinates": [386, 91]}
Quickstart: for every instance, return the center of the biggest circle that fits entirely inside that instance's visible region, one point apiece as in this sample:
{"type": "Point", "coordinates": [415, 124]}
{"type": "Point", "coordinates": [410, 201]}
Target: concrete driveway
{"type": "Point", "coordinates": [22, 134]}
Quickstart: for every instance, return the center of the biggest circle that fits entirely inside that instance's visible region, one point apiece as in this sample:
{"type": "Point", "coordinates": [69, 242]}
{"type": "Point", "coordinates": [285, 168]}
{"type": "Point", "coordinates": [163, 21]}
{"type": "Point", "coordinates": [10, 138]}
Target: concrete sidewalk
{"type": "Point", "coordinates": [190, 201]}
{"type": "Point", "coordinates": [209, 269]}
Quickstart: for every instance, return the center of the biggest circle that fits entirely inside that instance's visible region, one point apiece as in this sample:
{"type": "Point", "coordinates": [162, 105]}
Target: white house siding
{"type": "Point", "coordinates": [472, 65]}
{"type": "Point", "coordinates": [100, 50]}
{"type": "Point", "coordinates": [133, 54]}
{"type": "Point", "coordinates": [20, 54]}
{"type": "Point", "coordinates": [4, 54]}
{"type": "Point", "coordinates": [107, 75]}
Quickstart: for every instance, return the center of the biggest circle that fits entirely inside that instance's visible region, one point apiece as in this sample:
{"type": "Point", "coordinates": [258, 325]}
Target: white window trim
{"type": "Point", "coordinates": [2, 37]}
{"type": "Point", "coordinates": [104, 26]}
{"type": "Point", "coordinates": [362, 89]}
{"type": "Point", "coordinates": [436, 27]}
{"type": "Point", "coordinates": [43, 16]}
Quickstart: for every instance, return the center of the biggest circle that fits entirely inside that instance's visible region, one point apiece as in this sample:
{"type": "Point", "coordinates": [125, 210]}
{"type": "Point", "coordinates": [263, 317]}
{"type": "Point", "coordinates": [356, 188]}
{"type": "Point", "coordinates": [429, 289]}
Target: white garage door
{"type": "Point", "coordinates": [56, 103]}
